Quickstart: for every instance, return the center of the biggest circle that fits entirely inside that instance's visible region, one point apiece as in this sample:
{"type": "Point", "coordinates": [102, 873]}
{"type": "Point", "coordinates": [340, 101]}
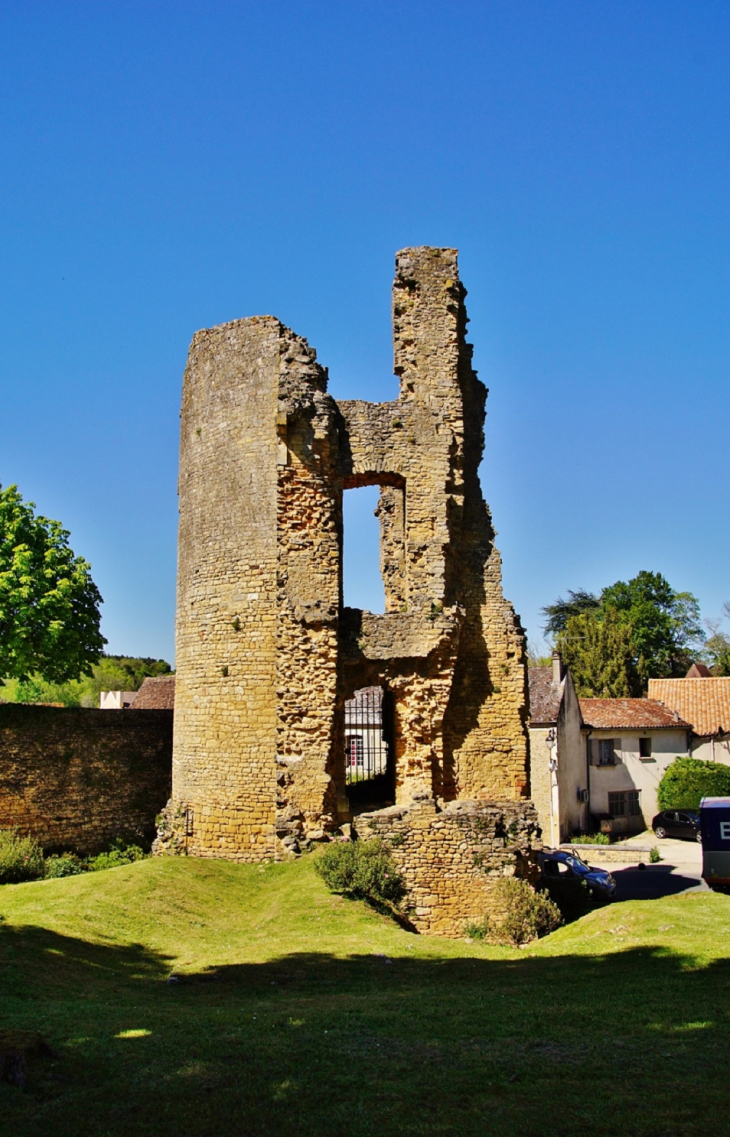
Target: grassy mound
{"type": "Point", "coordinates": [294, 1010]}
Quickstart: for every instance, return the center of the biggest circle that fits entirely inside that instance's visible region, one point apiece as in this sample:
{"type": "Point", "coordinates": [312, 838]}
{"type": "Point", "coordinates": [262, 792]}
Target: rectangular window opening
{"type": "Point", "coordinates": [362, 580]}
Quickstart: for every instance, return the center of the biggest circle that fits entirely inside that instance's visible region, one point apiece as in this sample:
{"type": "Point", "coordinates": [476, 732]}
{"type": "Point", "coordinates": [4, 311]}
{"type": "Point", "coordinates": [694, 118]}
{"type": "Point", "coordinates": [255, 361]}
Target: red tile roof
{"type": "Point", "coordinates": [629, 714]}
{"type": "Point", "coordinates": [705, 703]}
{"type": "Point", "coordinates": [156, 694]}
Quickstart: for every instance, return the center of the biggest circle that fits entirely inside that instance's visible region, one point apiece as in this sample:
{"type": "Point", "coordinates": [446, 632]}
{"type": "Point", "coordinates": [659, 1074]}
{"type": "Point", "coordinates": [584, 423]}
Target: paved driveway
{"type": "Point", "coordinates": [679, 870]}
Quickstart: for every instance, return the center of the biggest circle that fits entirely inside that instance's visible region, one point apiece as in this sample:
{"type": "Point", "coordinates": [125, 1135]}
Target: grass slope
{"type": "Point", "coordinates": [298, 1012]}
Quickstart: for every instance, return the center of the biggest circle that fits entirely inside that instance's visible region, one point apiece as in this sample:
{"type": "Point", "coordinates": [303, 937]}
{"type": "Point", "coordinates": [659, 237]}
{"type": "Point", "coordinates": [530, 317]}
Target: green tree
{"type": "Point", "coordinates": [663, 625]}
{"type": "Point", "coordinates": [688, 780]}
{"type": "Point", "coordinates": [598, 648]}
{"type": "Point", "coordinates": [717, 646]}
{"type": "Point", "coordinates": [558, 614]}
{"type": "Point", "coordinates": [49, 605]}
{"type": "Point", "coordinates": [666, 624]}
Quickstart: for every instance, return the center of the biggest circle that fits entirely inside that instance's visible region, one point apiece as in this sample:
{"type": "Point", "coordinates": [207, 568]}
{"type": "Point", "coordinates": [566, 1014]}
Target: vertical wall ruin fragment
{"type": "Point", "coordinates": [266, 653]}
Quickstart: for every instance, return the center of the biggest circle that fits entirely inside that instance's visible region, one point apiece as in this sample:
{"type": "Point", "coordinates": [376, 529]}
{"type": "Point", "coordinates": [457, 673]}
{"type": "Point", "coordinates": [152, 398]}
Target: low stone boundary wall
{"type": "Point", "coordinates": [75, 778]}
{"type": "Point", "coordinates": [450, 857]}
{"type": "Point", "coordinates": [610, 854]}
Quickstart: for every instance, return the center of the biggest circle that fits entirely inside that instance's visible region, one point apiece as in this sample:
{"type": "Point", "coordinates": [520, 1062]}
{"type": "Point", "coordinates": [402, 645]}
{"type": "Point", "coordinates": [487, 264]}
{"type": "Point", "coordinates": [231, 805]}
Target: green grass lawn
{"type": "Point", "coordinates": [299, 1013]}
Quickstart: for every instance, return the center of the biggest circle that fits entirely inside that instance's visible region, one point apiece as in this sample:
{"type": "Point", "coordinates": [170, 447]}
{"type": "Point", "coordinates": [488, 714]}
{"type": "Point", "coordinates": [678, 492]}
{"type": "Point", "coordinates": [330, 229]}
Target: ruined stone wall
{"type": "Point", "coordinates": [451, 857]}
{"type": "Point", "coordinates": [460, 713]}
{"type": "Point", "coordinates": [266, 654]}
{"type": "Point", "coordinates": [309, 527]}
{"type": "Point", "coordinates": [76, 779]}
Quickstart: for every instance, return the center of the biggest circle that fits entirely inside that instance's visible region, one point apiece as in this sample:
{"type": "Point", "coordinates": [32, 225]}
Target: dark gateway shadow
{"type": "Point", "coordinates": [311, 1044]}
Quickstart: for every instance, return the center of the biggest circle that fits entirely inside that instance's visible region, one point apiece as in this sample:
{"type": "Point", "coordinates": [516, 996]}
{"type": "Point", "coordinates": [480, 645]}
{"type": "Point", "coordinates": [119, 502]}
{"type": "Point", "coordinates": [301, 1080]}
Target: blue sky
{"type": "Point", "coordinates": [170, 166]}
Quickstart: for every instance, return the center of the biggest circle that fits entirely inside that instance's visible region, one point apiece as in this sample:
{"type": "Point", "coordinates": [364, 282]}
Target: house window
{"type": "Point", "coordinates": [645, 748]}
{"type": "Point", "coordinates": [606, 755]}
{"type": "Point", "coordinates": [624, 803]}
{"type": "Point", "coordinates": [355, 750]}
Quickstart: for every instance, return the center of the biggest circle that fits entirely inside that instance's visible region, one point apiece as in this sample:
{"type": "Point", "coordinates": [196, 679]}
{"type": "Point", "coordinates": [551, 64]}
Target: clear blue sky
{"type": "Point", "coordinates": [169, 166]}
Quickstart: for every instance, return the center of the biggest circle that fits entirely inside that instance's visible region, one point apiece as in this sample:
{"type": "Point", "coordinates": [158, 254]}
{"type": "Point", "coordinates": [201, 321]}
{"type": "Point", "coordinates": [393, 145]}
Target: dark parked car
{"type": "Point", "coordinates": [560, 865]}
{"type": "Point", "coordinates": [677, 823]}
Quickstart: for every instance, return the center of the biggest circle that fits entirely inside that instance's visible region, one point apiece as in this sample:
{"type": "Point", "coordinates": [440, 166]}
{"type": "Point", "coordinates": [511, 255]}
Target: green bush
{"type": "Point", "coordinates": [119, 853]}
{"type": "Point", "coordinates": [591, 839]}
{"type": "Point", "coordinates": [361, 869]}
{"type": "Point", "coordinates": [520, 914]}
{"type": "Point", "coordinates": [64, 864]}
{"type": "Point", "coordinates": [21, 858]}
{"type": "Point", "coordinates": [688, 780]}
{"type": "Point", "coordinates": [654, 855]}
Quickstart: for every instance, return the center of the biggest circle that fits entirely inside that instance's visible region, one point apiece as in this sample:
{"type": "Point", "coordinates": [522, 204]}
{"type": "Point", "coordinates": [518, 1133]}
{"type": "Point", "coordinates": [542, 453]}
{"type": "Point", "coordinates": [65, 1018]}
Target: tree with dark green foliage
{"type": "Point", "coordinates": [661, 635]}
{"type": "Point", "coordinates": [688, 780]}
{"type": "Point", "coordinates": [558, 614]}
{"type": "Point", "coordinates": [49, 605]}
{"type": "Point", "coordinates": [599, 650]}
{"type": "Point", "coordinates": [666, 624]}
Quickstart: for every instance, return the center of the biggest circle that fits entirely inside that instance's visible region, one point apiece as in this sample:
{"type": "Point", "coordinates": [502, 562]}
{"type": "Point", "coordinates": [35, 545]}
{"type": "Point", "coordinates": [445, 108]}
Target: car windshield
{"type": "Point", "coordinates": [578, 865]}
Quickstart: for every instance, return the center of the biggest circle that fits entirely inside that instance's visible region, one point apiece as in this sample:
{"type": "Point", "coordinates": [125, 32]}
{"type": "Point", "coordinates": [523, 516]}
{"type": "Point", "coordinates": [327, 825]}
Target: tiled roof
{"type": "Point", "coordinates": [156, 694]}
{"type": "Point", "coordinates": [545, 695]}
{"type": "Point", "coordinates": [628, 714]}
{"type": "Point", "coordinates": [705, 703]}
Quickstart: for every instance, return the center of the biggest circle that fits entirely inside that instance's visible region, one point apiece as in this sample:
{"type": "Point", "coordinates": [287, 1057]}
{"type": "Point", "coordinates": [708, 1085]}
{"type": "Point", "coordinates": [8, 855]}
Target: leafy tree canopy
{"type": "Point", "coordinates": [49, 605]}
{"type": "Point", "coordinates": [660, 635]}
{"type": "Point", "coordinates": [688, 780]}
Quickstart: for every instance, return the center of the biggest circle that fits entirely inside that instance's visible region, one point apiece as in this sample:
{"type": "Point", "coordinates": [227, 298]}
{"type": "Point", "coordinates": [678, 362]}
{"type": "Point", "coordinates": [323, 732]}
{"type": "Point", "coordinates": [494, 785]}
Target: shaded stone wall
{"type": "Point", "coordinates": [76, 778]}
{"type": "Point", "coordinates": [450, 858]}
{"type": "Point", "coordinates": [266, 653]}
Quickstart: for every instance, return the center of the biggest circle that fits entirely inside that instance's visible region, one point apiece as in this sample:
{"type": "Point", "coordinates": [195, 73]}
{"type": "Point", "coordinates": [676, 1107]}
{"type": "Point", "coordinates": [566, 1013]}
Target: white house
{"type": "Point", "coordinates": [629, 743]}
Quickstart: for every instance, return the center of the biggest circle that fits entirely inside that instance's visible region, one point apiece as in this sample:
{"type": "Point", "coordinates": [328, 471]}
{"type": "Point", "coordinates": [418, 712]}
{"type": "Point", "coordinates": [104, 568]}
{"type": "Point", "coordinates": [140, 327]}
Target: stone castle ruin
{"type": "Point", "coordinates": [267, 655]}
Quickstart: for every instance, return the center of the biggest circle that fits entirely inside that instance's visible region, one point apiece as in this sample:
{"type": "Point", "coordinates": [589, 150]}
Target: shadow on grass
{"type": "Point", "coordinates": [632, 1041]}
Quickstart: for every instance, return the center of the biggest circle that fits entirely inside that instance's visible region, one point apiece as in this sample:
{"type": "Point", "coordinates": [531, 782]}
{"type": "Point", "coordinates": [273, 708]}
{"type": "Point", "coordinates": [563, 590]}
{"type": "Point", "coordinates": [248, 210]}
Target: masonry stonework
{"type": "Point", "coordinates": [76, 778]}
{"type": "Point", "coordinates": [267, 654]}
{"type": "Point", "coordinates": [450, 858]}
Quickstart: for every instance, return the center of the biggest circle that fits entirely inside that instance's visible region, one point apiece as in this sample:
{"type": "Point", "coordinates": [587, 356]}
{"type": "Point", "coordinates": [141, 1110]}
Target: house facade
{"type": "Point", "coordinates": [558, 784]}
{"type": "Point", "coordinates": [629, 743]}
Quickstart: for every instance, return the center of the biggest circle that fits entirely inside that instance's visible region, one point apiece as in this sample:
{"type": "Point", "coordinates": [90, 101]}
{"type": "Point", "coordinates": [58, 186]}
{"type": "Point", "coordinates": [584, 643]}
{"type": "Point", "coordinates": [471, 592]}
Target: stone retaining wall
{"type": "Point", "coordinates": [450, 858]}
{"type": "Point", "coordinates": [75, 778]}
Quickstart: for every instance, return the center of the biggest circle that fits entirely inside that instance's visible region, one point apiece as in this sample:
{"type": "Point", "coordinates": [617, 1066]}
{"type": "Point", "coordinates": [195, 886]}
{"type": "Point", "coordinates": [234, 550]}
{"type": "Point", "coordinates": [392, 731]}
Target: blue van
{"type": "Point", "coordinates": [715, 830]}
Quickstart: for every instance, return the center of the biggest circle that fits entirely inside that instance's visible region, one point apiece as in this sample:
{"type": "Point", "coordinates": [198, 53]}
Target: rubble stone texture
{"type": "Point", "coordinates": [266, 652]}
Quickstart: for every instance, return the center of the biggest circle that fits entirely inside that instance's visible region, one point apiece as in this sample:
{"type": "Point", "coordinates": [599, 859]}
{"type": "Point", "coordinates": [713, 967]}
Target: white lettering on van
{"type": "Point", "coordinates": [725, 830]}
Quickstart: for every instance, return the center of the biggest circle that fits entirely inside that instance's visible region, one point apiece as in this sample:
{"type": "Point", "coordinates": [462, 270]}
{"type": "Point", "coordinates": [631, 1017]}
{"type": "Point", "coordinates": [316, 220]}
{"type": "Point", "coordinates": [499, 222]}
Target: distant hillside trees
{"type": "Point", "coordinates": [111, 673]}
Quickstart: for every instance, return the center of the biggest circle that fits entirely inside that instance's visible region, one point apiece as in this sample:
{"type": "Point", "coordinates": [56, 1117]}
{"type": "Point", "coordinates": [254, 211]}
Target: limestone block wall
{"type": "Point", "coordinates": [451, 857]}
{"type": "Point", "coordinates": [224, 761]}
{"type": "Point", "coordinates": [76, 778]}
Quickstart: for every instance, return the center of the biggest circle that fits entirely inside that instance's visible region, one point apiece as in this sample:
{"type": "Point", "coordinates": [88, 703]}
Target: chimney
{"type": "Point", "coordinates": [558, 669]}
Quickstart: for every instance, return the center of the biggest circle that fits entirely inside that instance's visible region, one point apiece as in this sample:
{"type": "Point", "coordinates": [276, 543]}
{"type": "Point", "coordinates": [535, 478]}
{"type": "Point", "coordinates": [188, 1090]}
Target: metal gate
{"type": "Point", "coordinates": [366, 750]}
